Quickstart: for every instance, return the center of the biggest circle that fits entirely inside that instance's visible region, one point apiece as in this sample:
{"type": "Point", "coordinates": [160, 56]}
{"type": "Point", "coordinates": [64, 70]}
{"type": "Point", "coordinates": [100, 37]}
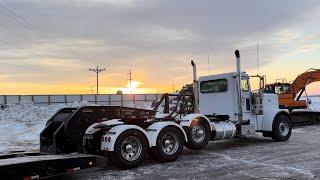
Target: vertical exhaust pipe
{"type": "Point", "coordinates": [239, 77]}
{"type": "Point", "coordinates": [195, 87]}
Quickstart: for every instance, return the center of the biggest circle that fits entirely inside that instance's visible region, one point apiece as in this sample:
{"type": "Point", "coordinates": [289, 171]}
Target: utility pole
{"type": "Point", "coordinates": [97, 70]}
{"type": "Point", "coordinates": [130, 80]}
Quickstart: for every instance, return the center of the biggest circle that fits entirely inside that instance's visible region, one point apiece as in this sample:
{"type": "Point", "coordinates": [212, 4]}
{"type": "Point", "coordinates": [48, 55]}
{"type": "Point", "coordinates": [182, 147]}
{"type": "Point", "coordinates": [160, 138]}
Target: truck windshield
{"type": "Point", "coordinates": [214, 86]}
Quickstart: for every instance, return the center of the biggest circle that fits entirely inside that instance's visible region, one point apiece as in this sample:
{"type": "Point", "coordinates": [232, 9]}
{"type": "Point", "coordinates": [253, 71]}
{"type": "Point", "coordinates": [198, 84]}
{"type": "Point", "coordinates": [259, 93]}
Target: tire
{"type": "Point", "coordinates": [129, 150]}
{"type": "Point", "coordinates": [169, 145]}
{"type": "Point", "coordinates": [282, 128]}
{"type": "Point", "coordinates": [198, 135]}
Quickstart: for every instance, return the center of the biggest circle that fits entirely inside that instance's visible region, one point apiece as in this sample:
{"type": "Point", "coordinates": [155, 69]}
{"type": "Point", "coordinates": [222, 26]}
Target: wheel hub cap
{"type": "Point", "coordinates": [131, 148]}
{"type": "Point", "coordinates": [170, 143]}
{"type": "Point", "coordinates": [198, 133]}
{"type": "Point", "coordinates": [284, 128]}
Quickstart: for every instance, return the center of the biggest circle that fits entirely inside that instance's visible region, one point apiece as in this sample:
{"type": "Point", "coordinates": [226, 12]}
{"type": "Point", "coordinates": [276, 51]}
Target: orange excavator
{"type": "Point", "coordinates": [290, 93]}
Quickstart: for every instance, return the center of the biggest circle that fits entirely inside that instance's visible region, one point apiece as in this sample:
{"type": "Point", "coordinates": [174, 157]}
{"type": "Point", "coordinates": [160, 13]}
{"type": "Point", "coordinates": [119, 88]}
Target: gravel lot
{"type": "Point", "coordinates": [252, 157]}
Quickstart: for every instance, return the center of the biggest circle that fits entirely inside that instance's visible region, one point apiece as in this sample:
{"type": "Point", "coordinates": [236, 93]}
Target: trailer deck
{"type": "Point", "coordinates": [34, 165]}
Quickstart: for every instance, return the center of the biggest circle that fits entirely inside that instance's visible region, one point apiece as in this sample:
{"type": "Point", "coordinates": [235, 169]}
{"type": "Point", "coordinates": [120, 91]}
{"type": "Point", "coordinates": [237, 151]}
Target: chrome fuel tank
{"type": "Point", "coordinates": [222, 130]}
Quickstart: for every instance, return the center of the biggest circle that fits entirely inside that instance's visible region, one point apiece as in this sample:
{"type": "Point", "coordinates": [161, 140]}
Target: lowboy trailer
{"type": "Point", "coordinates": [214, 107]}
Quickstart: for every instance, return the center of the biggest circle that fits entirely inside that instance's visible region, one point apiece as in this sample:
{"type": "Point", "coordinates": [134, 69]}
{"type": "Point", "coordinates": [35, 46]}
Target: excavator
{"type": "Point", "coordinates": [290, 93]}
{"type": "Point", "coordinates": [289, 96]}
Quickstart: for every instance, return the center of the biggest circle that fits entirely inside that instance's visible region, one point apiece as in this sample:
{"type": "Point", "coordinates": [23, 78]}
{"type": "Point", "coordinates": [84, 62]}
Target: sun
{"type": "Point", "coordinates": [131, 88]}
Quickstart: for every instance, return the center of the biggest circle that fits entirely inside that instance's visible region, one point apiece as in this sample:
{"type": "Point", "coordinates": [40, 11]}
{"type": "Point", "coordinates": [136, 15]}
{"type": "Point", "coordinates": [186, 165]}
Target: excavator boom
{"type": "Point", "coordinates": [304, 79]}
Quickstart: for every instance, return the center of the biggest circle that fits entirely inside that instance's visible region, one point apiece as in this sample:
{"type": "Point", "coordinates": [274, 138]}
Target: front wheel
{"type": "Point", "coordinates": [198, 135]}
{"type": "Point", "coordinates": [169, 145]}
{"type": "Point", "coordinates": [282, 128]}
{"type": "Point", "coordinates": [129, 149]}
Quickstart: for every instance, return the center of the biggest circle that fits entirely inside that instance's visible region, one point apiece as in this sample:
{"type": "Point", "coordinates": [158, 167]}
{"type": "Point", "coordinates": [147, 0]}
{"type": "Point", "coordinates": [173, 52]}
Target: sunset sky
{"type": "Point", "coordinates": [47, 47]}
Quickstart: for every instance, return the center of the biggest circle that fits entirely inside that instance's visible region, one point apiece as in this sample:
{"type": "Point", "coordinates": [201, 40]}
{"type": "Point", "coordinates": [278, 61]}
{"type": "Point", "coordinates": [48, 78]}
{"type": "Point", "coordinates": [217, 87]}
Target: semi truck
{"type": "Point", "coordinates": [222, 106]}
{"type": "Point", "coordinates": [214, 107]}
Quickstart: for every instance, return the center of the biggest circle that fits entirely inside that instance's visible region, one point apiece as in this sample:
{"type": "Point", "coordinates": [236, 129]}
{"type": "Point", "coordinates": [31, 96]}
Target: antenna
{"type": "Point", "coordinates": [257, 58]}
{"type": "Point", "coordinates": [209, 68]}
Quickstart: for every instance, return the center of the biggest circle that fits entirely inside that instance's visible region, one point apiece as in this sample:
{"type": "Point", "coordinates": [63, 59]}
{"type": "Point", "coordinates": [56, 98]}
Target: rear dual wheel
{"type": "Point", "coordinates": [129, 150]}
{"type": "Point", "coordinates": [169, 145]}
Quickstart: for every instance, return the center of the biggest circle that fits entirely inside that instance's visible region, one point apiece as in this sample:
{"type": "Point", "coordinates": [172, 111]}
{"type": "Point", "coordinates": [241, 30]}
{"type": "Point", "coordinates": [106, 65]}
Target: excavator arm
{"type": "Point", "coordinates": [299, 84]}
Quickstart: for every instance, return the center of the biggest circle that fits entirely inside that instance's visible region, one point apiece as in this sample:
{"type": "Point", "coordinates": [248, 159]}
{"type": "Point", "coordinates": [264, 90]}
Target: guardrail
{"type": "Point", "coordinates": [103, 99]}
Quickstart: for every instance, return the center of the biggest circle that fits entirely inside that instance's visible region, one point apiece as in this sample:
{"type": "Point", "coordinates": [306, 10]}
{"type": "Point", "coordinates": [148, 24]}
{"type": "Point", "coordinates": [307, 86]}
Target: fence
{"type": "Point", "coordinates": [103, 99]}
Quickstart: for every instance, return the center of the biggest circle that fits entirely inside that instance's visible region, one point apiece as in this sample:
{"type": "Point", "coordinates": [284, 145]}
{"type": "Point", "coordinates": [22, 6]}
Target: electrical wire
{"type": "Point", "coordinates": [22, 21]}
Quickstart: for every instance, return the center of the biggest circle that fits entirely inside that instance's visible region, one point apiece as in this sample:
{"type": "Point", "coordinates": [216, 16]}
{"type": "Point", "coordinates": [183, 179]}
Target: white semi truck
{"type": "Point", "coordinates": [223, 107]}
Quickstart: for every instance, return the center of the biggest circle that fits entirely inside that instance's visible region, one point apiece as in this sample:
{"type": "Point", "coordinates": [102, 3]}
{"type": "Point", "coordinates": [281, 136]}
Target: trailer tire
{"type": "Point", "coordinates": [281, 128]}
{"type": "Point", "coordinates": [198, 135]}
{"type": "Point", "coordinates": [169, 145]}
{"type": "Point", "coordinates": [129, 150]}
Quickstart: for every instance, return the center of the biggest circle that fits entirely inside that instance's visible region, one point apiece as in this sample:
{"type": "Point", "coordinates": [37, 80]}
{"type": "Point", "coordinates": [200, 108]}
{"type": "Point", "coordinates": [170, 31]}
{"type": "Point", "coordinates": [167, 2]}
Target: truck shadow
{"type": "Point", "coordinates": [218, 146]}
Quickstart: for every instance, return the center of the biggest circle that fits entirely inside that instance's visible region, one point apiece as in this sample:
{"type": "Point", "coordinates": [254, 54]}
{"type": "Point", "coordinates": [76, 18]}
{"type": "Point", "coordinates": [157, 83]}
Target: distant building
{"type": "Point", "coordinates": [119, 92]}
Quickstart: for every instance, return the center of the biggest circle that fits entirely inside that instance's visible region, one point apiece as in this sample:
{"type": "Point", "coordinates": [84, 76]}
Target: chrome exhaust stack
{"type": "Point", "coordinates": [195, 87]}
{"type": "Point", "coordinates": [239, 94]}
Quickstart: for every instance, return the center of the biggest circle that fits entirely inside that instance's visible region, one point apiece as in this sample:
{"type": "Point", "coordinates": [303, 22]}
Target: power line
{"type": "Point", "coordinates": [21, 20]}
{"type": "Point", "coordinates": [97, 70]}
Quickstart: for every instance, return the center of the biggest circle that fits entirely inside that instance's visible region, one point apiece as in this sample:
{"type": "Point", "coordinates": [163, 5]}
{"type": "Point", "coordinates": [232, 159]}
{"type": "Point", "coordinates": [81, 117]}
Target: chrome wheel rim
{"type": "Point", "coordinates": [131, 148]}
{"type": "Point", "coordinates": [169, 143]}
{"type": "Point", "coordinates": [284, 128]}
{"type": "Point", "coordinates": [198, 133]}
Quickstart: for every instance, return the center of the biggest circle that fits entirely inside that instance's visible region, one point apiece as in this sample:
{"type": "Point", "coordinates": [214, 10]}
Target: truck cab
{"type": "Point", "coordinates": [218, 97]}
{"type": "Point", "coordinates": [227, 97]}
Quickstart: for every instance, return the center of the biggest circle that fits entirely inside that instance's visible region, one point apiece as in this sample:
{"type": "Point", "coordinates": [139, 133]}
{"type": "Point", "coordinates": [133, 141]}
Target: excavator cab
{"type": "Point", "coordinates": [277, 88]}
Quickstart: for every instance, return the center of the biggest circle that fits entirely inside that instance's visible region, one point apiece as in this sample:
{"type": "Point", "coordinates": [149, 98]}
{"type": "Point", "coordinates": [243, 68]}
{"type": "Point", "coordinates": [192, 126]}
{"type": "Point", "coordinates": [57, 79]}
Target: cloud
{"type": "Point", "coordinates": [155, 38]}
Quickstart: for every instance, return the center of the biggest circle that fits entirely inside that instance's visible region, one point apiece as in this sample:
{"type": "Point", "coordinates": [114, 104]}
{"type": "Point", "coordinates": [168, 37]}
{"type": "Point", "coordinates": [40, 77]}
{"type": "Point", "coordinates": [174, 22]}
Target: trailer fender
{"type": "Point", "coordinates": [187, 120]}
{"type": "Point", "coordinates": [109, 139]}
{"type": "Point", "coordinates": [269, 119]}
{"type": "Point", "coordinates": [91, 129]}
{"type": "Point", "coordinates": [154, 130]}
